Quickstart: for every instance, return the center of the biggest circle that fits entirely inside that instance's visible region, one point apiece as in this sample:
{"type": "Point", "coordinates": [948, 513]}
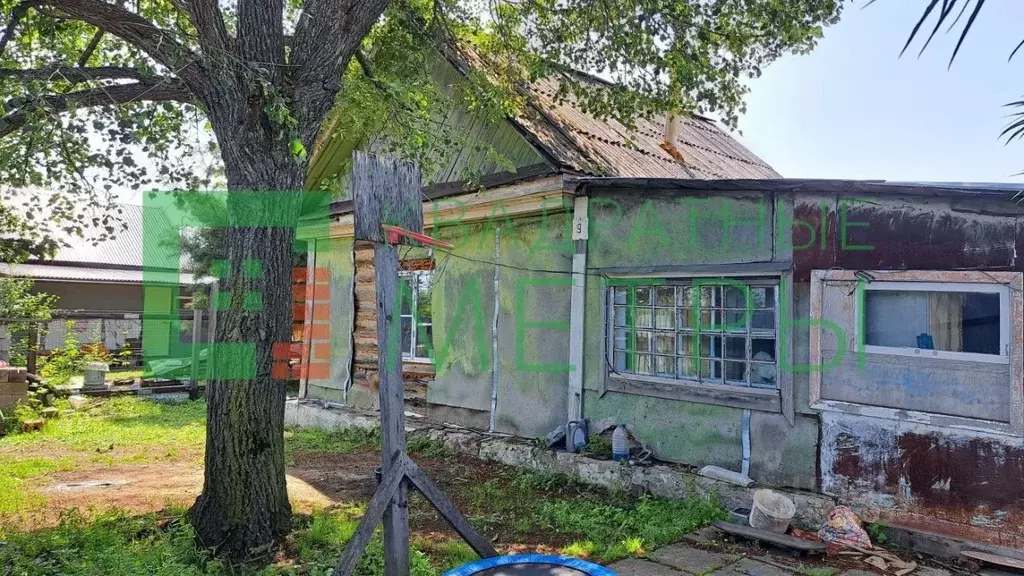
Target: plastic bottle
{"type": "Point", "coordinates": [620, 444]}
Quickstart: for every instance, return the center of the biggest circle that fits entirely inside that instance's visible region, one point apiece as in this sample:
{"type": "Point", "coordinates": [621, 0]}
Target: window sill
{"type": "Point", "coordinates": [926, 418]}
{"type": "Point", "coordinates": [719, 395]}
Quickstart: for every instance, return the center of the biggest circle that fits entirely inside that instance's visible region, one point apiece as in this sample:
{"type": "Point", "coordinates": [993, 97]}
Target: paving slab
{"type": "Point", "coordinates": [690, 559]}
{"type": "Point", "coordinates": [637, 567]}
{"type": "Point", "coordinates": [748, 567]}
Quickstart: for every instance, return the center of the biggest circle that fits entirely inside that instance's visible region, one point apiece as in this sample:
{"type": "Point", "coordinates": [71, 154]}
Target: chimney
{"type": "Point", "coordinates": [671, 131]}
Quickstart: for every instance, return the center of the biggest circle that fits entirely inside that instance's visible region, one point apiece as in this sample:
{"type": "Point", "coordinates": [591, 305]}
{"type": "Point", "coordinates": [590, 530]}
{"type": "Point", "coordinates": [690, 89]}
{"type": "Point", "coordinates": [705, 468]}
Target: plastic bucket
{"type": "Point", "coordinates": [771, 511]}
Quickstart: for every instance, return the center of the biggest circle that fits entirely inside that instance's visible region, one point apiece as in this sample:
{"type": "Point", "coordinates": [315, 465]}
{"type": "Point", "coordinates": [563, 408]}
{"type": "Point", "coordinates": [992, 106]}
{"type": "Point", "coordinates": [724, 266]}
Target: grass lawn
{"type": "Point", "coordinates": [156, 449]}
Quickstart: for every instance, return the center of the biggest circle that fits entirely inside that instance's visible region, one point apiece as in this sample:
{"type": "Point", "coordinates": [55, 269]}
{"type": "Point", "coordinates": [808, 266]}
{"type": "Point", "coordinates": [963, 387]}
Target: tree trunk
{"type": "Point", "coordinates": [244, 506]}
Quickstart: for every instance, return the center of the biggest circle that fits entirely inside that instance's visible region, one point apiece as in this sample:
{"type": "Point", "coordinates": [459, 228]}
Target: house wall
{"type": "Point", "coordinates": [526, 300]}
{"type": "Point", "coordinates": [333, 301]}
{"type": "Point", "coordinates": [909, 468]}
{"type": "Point", "coordinates": [648, 233]}
{"type": "Point", "coordinates": [93, 296]}
{"type": "Point", "coordinates": [896, 466]}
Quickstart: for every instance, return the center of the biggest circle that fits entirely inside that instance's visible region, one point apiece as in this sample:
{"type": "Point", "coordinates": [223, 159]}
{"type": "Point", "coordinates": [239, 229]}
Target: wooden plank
{"type": "Point", "coordinates": [771, 537]}
{"type": "Point", "coordinates": [309, 294]}
{"type": "Point", "coordinates": [385, 191]}
{"type": "Point", "coordinates": [373, 515]}
{"type": "Point", "coordinates": [577, 312]}
{"type": "Point", "coordinates": [446, 508]}
{"type": "Point", "coordinates": [1004, 561]}
{"type": "Point", "coordinates": [762, 399]}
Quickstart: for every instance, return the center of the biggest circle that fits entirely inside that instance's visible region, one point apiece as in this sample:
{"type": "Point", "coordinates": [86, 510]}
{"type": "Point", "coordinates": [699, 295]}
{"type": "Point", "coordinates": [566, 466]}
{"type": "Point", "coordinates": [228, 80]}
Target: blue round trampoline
{"type": "Point", "coordinates": [531, 565]}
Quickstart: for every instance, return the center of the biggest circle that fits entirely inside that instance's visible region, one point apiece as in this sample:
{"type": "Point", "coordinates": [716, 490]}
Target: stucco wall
{"type": "Point", "coordinates": [648, 233]}
{"type": "Point", "coordinates": [333, 255]}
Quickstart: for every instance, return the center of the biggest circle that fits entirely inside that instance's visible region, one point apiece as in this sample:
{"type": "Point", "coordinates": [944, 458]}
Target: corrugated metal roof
{"type": "Point", "coordinates": [91, 274]}
{"type": "Point", "coordinates": [585, 144]}
{"type": "Point", "coordinates": [125, 249]}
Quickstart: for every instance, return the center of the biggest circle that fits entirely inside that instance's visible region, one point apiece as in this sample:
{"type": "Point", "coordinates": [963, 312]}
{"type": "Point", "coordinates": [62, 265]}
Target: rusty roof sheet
{"type": "Point", "coordinates": [585, 144]}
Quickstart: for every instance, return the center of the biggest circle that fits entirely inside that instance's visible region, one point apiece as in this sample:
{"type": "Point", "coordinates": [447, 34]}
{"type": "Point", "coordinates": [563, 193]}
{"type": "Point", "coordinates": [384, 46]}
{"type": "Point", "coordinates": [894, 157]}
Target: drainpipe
{"type": "Point", "coordinates": [746, 443]}
{"type": "Point", "coordinates": [580, 229]}
{"type": "Point", "coordinates": [494, 328]}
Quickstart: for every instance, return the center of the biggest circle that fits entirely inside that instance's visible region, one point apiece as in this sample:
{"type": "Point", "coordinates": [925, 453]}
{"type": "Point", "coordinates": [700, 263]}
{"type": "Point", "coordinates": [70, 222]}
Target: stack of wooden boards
{"type": "Point", "coordinates": [13, 387]}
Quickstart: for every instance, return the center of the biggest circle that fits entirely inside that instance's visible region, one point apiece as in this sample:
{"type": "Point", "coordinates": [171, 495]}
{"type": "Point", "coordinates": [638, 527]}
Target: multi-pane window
{"type": "Point", "coordinates": [706, 330]}
{"type": "Point", "coordinates": [416, 315]}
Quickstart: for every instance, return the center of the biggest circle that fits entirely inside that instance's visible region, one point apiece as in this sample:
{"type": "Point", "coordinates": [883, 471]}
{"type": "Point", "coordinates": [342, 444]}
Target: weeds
{"type": "Point", "coordinates": [876, 530]}
{"type": "Point", "coordinates": [428, 448]}
{"type": "Point", "coordinates": [332, 441]}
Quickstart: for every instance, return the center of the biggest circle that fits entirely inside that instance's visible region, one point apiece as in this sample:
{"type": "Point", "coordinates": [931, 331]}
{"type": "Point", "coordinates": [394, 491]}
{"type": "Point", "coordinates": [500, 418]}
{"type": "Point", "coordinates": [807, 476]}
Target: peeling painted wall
{"type": "Point", "coordinates": [533, 326]}
{"type": "Point", "coordinates": [964, 483]}
{"type": "Point", "coordinates": [898, 470]}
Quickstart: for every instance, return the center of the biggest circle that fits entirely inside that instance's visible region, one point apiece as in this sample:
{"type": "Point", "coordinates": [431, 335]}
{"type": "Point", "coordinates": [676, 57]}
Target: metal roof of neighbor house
{"type": "Point", "coordinates": [117, 259]}
{"type": "Point", "coordinates": [93, 275]}
{"type": "Point", "coordinates": [582, 143]}
{"type": "Point", "coordinates": [125, 249]}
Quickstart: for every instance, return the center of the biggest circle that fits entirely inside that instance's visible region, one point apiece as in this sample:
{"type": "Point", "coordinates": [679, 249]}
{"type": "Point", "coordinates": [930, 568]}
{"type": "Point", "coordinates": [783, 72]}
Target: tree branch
{"type": "Point", "coordinates": [168, 90]}
{"type": "Point", "coordinates": [326, 36]}
{"type": "Point", "coordinates": [17, 14]}
{"type": "Point", "coordinates": [159, 44]}
{"type": "Point", "coordinates": [76, 74]}
{"type": "Point", "coordinates": [93, 44]}
{"type": "Point", "coordinates": [213, 34]}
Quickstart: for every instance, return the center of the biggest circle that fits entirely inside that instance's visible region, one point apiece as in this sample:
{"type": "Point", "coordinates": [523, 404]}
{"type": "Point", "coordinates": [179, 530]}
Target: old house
{"type": "Point", "coordinates": [101, 287]}
{"type": "Point", "coordinates": [861, 339]}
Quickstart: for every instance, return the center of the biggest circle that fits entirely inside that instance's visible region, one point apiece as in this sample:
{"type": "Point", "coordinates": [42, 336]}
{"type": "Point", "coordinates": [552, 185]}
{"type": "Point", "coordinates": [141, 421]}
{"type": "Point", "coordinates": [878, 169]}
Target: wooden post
{"type": "Point", "coordinates": [392, 411]}
{"type": "Point", "coordinates": [197, 331]}
{"type": "Point", "coordinates": [212, 331]}
{"type": "Point", "coordinates": [33, 348]}
{"type": "Point", "coordinates": [387, 193]}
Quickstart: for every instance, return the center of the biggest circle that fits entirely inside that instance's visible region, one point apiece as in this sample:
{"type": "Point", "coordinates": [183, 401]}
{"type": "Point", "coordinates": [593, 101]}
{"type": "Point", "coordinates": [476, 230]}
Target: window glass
{"type": "Point", "coordinates": [932, 320]}
{"type": "Point", "coordinates": [717, 332]}
{"type": "Point", "coordinates": [416, 315]}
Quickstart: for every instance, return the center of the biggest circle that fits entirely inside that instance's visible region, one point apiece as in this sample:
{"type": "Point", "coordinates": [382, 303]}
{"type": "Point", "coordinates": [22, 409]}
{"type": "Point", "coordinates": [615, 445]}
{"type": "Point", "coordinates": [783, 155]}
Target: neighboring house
{"type": "Point", "coordinates": [862, 339]}
{"type": "Point", "coordinates": [100, 285]}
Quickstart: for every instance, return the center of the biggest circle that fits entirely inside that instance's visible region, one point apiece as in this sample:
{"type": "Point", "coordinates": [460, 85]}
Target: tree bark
{"type": "Point", "coordinates": [244, 506]}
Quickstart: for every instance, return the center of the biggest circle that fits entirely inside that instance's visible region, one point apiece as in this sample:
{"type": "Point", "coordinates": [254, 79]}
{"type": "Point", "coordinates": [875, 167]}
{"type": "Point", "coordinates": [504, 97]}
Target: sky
{"type": "Point", "coordinates": [854, 109]}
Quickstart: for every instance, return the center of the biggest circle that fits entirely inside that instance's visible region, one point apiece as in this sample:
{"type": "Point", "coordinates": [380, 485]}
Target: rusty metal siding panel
{"type": "Point", "coordinates": [965, 484]}
{"type": "Point", "coordinates": [901, 234]}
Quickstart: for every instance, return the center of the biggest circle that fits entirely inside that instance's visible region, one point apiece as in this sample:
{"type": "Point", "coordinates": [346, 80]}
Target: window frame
{"type": "Point", "coordinates": [1012, 280]}
{"type": "Point", "coordinates": [776, 399]}
{"type": "Point", "coordinates": [414, 306]}
{"type": "Point", "coordinates": [860, 331]}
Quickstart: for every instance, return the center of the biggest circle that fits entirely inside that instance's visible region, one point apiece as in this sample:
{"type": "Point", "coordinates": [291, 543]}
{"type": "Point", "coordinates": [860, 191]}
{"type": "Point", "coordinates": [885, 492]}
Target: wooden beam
{"type": "Point", "coordinates": [392, 410]}
{"type": "Point", "coordinates": [482, 546]}
{"type": "Point", "coordinates": [577, 313]}
{"type": "Point", "coordinates": [373, 515]}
